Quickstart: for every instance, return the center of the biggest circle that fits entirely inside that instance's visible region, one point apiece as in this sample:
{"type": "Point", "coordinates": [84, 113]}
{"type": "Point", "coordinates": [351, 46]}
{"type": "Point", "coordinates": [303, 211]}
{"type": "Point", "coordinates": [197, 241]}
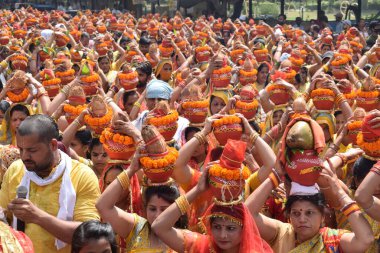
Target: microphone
{"type": "Point", "coordinates": [22, 191]}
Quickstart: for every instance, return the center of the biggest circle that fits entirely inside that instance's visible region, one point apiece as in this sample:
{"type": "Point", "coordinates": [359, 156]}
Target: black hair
{"type": "Point", "coordinates": [124, 40]}
{"type": "Point", "coordinates": [94, 142]}
{"type": "Point", "coordinates": [127, 94]}
{"type": "Point", "coordinates": [169, 193]}
{"type": "Point", "coordinates": [361, 168]}
{"type": "Point", "coordinates": [42, 125]}
{"type": "Point", "coordinates": [145, 67]}
{"type": "Point", "coordinates": [92, 230]}
{"type": "Point", "coordinates": [261, 66]}
{"type": "Point", "coordinates": [144, 40]}
{"type": "Point", "coordinates": [84, 136]}
{"type": "Point", "coordinates": [316, 199]}
{"type": "Point", "coordinates": [337, 113]}
{"type": "Point", "coordinates": [255, 126]}
{"type": "Point", "coordinates": [282, 15]}
{"type": "Point", "coordinates": [84, 35]}
{"type": "Point", "coordinates": [103, 57]}
{"type": "Point", "coordinates": [19, 108]}
{"type": "Point", "coordinates": [190, 129]}
{"type": "Point", "coordinates": [4, 106]}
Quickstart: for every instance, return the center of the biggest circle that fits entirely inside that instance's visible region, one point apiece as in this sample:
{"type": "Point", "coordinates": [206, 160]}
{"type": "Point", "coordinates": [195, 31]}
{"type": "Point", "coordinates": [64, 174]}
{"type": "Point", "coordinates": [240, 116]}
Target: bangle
{"type": "Point", "coordinates": [269, 136]}
{"type": "Point", "coordinates": [137, 104]}
{"type": "Point", "coordinates": [373, 203]}
{"type": "Point", "coordinates": [65, 90]}
{"type": "Point", "coordinates": [343, 157]}
{"type": "Point", "coordinates": [114, 89]}
{"type": "Point", "coordinates": [334, 147]}
{"type": "Point", "coordinates": [375, 170]}
{"type": "Point", "coordinates": [4, 64]}
{"type": "Point", "coordinates": [41, 94]}
{"type": "Point", "coordinates": [123, 180]}
{"type": "Point", "coordinates": [324, 188]}
{"type": "Point", "coordinates": [325, 68]}
{"type": "Point", "coordinates": [253, 137]}
{"type": "Point", "coordinates": [201, 138]}
{"type": "Point", "coordinates": [273, 178]}
{"type": "Point", "coordinates": [183, 204]}
{"type": "Point", "coordinates": [350, 208]}
{"type": "Point", "coordinates": [76, 121]}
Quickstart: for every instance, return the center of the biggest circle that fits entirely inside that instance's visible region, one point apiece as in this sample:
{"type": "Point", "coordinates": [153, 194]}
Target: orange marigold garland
{"type": "Point", "coordinates": [195, 104]}
{"type": "Point", "coordinates": [341, 59]}
{"type": "Point", "coordinates": [370, 148]}
{"type": "Point", "coordinates": [250, 73]}
{"type": "Point", "coordinates": [321, 92]}
{"type": "Point", "coordinates": [247, 105]}
{"type": "Point", "coordinates": [108, 135]}
{"type": "Point", "coordinates": [99, 121]}
{"type": "Point", "coordinates": [18, 98]}
{"type": "Point", "coordinates": [228, 119]}
{"type": "Point", "coordinates": [218, 171]}
{"type": "Point", "coordinates": [164, 120]}
{"type": "Point", "coordinates": [74, 110]}
{"type": "Point", "coordinates": [354, 125]}
{"type": "Point", "coordinates": [274, 87]}
{"type": "Point", "coordinates": [162, 162]}
{"type": "Point", "coordinates": [69, 72]}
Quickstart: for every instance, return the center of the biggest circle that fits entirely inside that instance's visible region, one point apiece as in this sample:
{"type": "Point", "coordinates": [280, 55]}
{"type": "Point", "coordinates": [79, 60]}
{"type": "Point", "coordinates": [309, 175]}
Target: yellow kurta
{"type": "Point", "coordinates": [46, 198]}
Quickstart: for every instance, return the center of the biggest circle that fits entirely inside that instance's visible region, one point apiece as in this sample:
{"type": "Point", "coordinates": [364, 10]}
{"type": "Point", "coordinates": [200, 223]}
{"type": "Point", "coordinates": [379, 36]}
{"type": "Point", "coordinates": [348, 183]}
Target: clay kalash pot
{"type": "Point", "coordinates": [323, 99]}
{"type": "Point", "coordinates": [354, 128]}
{"type": "Point", "coordinates": [61, 40]}
{"type": "Point", "coordinates": [368, 100]}
{"type": "Point", "coordinates": [164, 119]}
{"type": "Point", "coordinates": [50, 82]}
{"type": "Point", "coordinates": [203, 53]}
{"type": "Point", "coordinates": [247, 104]}
{"type": "Point", "coordinates": [158, 166]}
{"type": "Point", "coordinates": [195, 111]}
{"type": "Point", "coordinates": [77, 103]}
{"type": "Point", "coordinates": [248, 74]}
{"type": "Point", "coordinates": [261, 54]}
{"type": "Point", "coordinates": [118, 146]}
{"type": "Point", "coordinates": [227, 178]}
{"type": "Point", "coordinates": [227, 127]}
{"type": "Point", "coordinates": [303, 164]}
{"type": "Point", "coordinates": [89, 79]}
{"type": "Point", "coordinates": [19, 62]}
{"type": "Point", "coordinates": [4, 37]}
{"type": "Point", "coordinates": [128, 78]}
{"type": "Point", "coordinates": [278, 94]}
{"type": "Point", "coordinates": [338, 64]}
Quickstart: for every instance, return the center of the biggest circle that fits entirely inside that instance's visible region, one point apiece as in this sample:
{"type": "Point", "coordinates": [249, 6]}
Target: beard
{"type": "Point", "coordinates": [43, 167]}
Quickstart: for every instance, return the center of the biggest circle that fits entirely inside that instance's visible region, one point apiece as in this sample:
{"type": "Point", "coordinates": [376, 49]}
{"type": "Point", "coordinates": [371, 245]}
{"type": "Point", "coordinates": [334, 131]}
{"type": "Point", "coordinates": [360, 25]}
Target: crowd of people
{"type": "Point", "coordinates": [167, 134]}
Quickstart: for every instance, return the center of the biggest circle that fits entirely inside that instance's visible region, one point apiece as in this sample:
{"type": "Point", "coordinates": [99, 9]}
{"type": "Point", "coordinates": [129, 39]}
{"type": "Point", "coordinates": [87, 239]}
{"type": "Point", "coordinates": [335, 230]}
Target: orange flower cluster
{"type": "Point", "coordinates": [91, 78]}
{"type": "Point", "coordinates": [74, 110]}
{"type": "Point", "coordinates": [354, 125]}
{"type": "Point", "coordinates": [372, 147]}
{"type": "Point", "coordinates": [296, 61]}
{"type": "Point", "coordinates": [350, 95]}
{"type": "Point", "coordinates": [127, 76]}
{"type": "Point", "coordinates": [54, 81]}
{"type": "Point", "coordinates": [165, 50]}
{"type": "Point", "coordinates": [375, 80]}
{"type": "Point", "coordinates": [108, 135]}
{"type": "Point", "coordinates": [290, 75]}
{"type": "Point", "coordinates": [236, 52]}
{"type": "Point", "coordinates": [321, 92]}
{"type": "Point", "coordinates": [246, 73]}
{"type": "Point", "coordinates": [18, 98]}
{"type": "Point", "coordinates": [226, 69]}
{"type": "Point", "coordinates": [356, 44]}
{"type": "Point", "coordinates": [164, 120]}
{"type": "Point", "coordinates": [195, 104]}
{"type": "Point", "coordinates": [99, 121]}
{"type": "Point", "coordinates": [162, 162]}
{"type": "Point", "coordinates": [368, 94]}
{"type": "Point", "coordinates": [260, 51]}
{"type": "Point", "coordinates": [19, 58]}
{"type": "Point", "coordinates": [69, 72]}
{"type": "Point", "coordinates": [102, 29]}
{"type": "Point", "coordinates": [274, 87]}
{"type": "Point", "coordinates": [342, 59]}
{"type": "Point", "coordinates": [247, 105]}
{"type": "Point", "coordinates": [226, 120]}
{"type": "Point", "coordinates": [218, 171]}
{"type": "Point", "coordinates": [202, 49]}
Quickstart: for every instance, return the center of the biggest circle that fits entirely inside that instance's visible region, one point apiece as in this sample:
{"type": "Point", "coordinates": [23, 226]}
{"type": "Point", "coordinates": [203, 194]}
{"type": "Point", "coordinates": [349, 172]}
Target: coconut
{"type": "Point", "coordinates": [300, 136]}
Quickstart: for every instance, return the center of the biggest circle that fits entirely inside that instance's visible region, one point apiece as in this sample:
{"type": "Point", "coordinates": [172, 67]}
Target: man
{"type": "Point", "coordinates": [338, 23]}
{"type": "Point", "coordinates": [281, 19]}
{"type": "Point", "coordinates": [298, 23]}
{"type": "Point", "coordinates": [374, 28]}
{"type": "Point", "coordinates": [157, 91]}
{"type": "Point", "coordinates": [144, 71]}
{"type": "Point", "coordinates": [61, 192]}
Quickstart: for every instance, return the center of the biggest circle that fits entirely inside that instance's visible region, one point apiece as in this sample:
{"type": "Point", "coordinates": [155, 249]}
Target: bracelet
{"type": "Point", "coordinates": [343, 157]}
{"type": "Point", "coordinates": [183, 204]}
{"type": "Point", "coordinates": [114, 89]}
{"type": "Point", "coordinates": [4, 64]}
{"type": "Point", "coordinates": [201, 138]}
{"type": "Point", "coordinates": [269, 136]}
{"type": "Point", "coordinates": [375, 170]}
{"type": "Point", "coordinates": [76, 121]}
{"type": "Point", "coordinates": [124, 180]}
{"type": "Point", "coordinates": [350, 208]}
{"type": "Point", "coordinates": [325, 68]}
{"type": "Point", "coordinates": [65, 90]}
{"type": "Point", "coordinates": [373, 203]}
{"type": "Point", "coordinates": [340, 98]}
{"type": "Point", "coordinates": [334, 147]}
{"type": "Point", "coordinates": [324, 188]}
{"type": "Point", "coordinates": [273, 178]}
{"type": "Point", "coordinates": [253, 137]}
{"type": "Point", "coordinates": [137, 104]}
{"type": "Point", "coordinates": [358, 81]}
{"type": "Point", "coordinates": [41, 94]}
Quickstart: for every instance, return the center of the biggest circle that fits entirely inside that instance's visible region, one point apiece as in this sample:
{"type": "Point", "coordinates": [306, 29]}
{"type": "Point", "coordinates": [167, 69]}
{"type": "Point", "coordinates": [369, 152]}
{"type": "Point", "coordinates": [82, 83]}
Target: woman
{"type": "Point", "coordinates": [218, 100]}
{"type": "Point", "coordinates": [135, 229]}
{"type": "Point", "coordinates": [81, 142]}
{"type": "Point", "coordinates": [164, 70]}
{"type": "Point", "coordinates": [305, 209]}
{"type": "Point", "coordinates": [93, 237]}
{"type": "Point", "coordinates": [99, 157]}
{"type": "Point", "coordinates": [230, 228]}
{"type": "Point", "coordinates": [262, 75]}
{"type": "Point", "coordinates": [12, 120]}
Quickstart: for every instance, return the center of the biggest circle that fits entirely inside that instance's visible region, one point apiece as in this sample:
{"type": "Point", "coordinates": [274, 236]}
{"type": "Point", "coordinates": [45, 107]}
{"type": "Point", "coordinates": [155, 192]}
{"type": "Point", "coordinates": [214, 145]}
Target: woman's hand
{"type": "Point", "coordinates": [135, 163]}
{"type": "Point", "coordinates": [203, 184]}
{"type": "Point", "coordinates": [82, 115]}
{"type": "Point", "coordinates": [208, 124]}
{"type": "Point", "coordinates": [248, 130]}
